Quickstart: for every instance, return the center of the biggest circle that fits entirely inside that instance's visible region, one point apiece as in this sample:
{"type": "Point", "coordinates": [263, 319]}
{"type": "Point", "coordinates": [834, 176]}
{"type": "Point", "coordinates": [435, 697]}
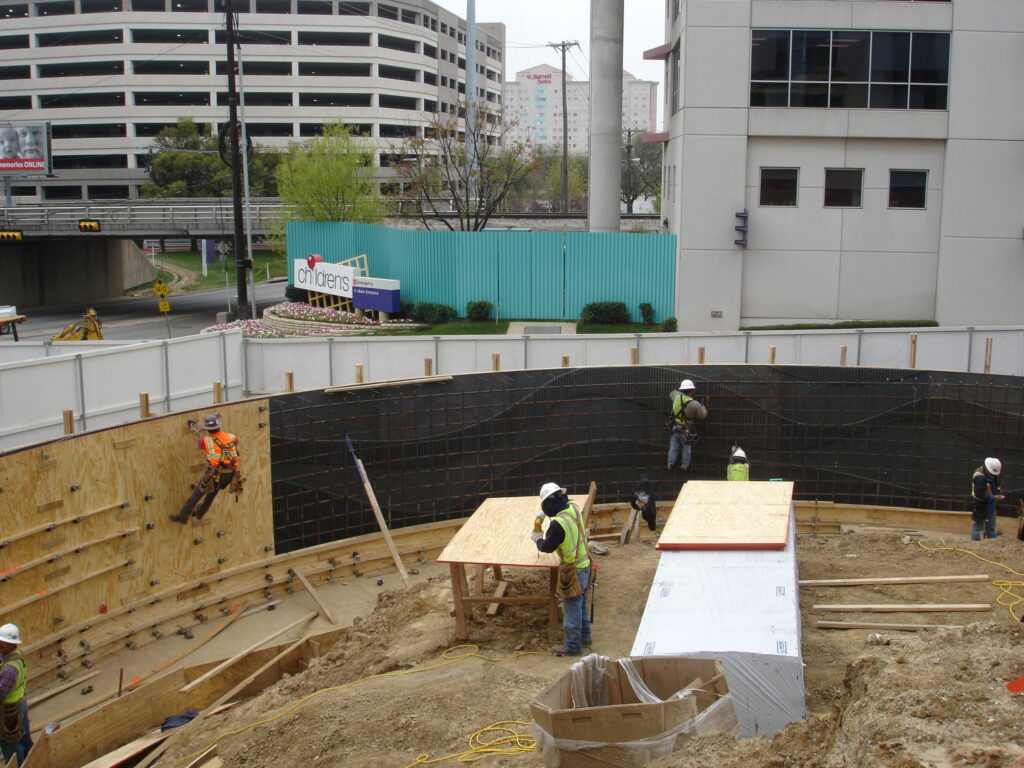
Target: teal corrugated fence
{"type": "Point", "coordinates": [526, 275]}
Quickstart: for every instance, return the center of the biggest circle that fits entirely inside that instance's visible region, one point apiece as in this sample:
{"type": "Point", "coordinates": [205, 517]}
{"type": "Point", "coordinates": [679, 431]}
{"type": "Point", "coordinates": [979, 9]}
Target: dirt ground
{"type": "Point", "coordinates": [896, 700]}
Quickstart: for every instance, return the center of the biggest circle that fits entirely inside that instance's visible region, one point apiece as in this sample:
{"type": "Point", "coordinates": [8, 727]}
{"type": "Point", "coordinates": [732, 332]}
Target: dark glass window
{"type": "Point", "coordinates": [75, 100]}
{"type": "Point", "coordinates": [257, 37]}
{"type": "Point", "coordinates": [808, 95]}
{"type": "Point", "coordinates": [108, 191]}
{"type": "Point", "coordinates": [810, 55]}
{"type": "Point", "coordinates": [890, 57]}
{"type": "Point", "coordinates": [462, 63]}
{"type": "Point", "coordinates": [387, 11]}
{"type": "Point", "coordinates": [259, 99]}
{"type": "Point", "coordinates": [81, 69]}
{"type": "Point", "coordinates": [843, 187]}
{"type": "Point", "coordinates": [850, 56]}
{"type": "Point", "coordinates": [388, 131]}
{"type": "Point", "coordinates": [170, 36]}
{"type": "Point", "coordinates": [17, 72]}
{"type": "Point", "coordinates": [429, 51]}
{"type": "Point", "coordinates": [334, 99]}
{"type": "Point", "coordinates": [314, 7]}
{"type": "Point", "coordinates": [769, 94]}
{"type": "Point", "coordinates": [62, 192]}
{"type": "Point", "coordinates": [333, 69]}
{"type": "Point", "coordinates": [68, 162]}
{"type": "Point", "coordinates": [353, 9]}
{"type": "Point", "coordinates": [769, 54]}
{"type": "Point", "coordinates": [101, 6]}
{"type": "Point", "coordinates": [16, 102]}
{"type": "Point", "coordinates": [273, 6]}
{"type": "Point", "coordinates": [387, 101]}
{"type": "Point", "coordinates": [152, 129]}
{"type": "Point", "coordinates": [429, 105]}
{"type": "Point", "coordinates": [89, 37]}
{"type": "Point", "coordinates": [14, 11]}
{"type": "Point", "coordinates": [307, 130]}
{"type": "Point", "coordinates": [23, 191]}
{"type": "Point", "coordinates": [930, 62]}
{"type": "Point", "coordinates": [885, 96]}
{"type": "Point", "coordinates": [171, 98]}
{"type": "Point", "coordinates": [153, 6]}
{"type": "Point", "coordinates": [845, 96]}
{"type": "Point", "coordinates": [907, 189]}
{"type": "Point", "coordinates": [334, 38]}
{"type": "Point", "coordinates": [398, 73]}
{"type": "Point", "coordinates": [250, 67]}
{"type": "Point", "coordinates": [190, 6]}
{"type": "Point", "coordinates": [269, 129]}
{"type": "Point", "coordinates": [163, 67]}
{"type": "Point", "coordinates": [409, 17]}
{"type": "Point", "coordinates": [778, 186]}
{"type": "Point", "coordinates": [63, 8]}
{"type": "Point", "coordinates": [928, 97]}
{"type": "Point", "coordinates": [430, 78]}
{"type": "Point", "coordinates": [396, 43]}
{"type": "Point", "coordinates": [89, 131]}
{"type": "Point", "coordinates": [10, 42]}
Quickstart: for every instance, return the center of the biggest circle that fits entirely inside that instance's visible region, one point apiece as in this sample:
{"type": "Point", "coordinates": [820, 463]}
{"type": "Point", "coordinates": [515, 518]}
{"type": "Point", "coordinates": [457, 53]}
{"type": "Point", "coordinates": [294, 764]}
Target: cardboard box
{"type": "Point", "coordinates": [614, 726]}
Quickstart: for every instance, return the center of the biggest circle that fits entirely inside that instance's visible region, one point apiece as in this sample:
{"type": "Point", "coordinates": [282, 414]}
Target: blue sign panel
{"type": "Point", "coordinates": [376, 293]}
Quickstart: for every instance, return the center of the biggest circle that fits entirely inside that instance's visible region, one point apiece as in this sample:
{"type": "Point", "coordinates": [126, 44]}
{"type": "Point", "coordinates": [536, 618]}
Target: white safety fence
{"type": "Point", "coordinates": [101, 387]}
{"type": "Point", "coordinates": [100, 382]}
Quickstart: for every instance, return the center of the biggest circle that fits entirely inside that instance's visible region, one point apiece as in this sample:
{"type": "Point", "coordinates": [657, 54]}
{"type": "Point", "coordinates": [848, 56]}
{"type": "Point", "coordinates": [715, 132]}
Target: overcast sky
{"type": "Point", "coordinates": [536, 22]}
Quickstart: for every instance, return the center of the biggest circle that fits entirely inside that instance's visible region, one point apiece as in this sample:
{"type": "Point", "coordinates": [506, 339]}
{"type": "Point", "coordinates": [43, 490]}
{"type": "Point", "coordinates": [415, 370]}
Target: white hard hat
{"type": "Point", "coordinates": [686, 384]}
{"type": "Point", "coordinates": [739, 454]}
{"type": "Point", "coordinates": [549, 489]}
{"type": "Point", "coordinates": [994, 466]}
{"type": "Point", "coordinates": [9, 634]}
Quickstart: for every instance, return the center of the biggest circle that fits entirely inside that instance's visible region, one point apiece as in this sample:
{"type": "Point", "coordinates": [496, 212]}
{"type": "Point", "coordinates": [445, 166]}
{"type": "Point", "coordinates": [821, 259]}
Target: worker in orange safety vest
{"type": "Point", "coordinates": [222, 470]}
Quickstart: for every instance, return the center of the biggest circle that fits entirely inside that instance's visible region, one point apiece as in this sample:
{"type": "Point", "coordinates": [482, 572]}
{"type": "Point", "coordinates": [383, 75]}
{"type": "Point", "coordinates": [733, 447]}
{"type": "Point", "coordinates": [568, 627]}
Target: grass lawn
{"type": "Point", "coordinates": [277, 262]}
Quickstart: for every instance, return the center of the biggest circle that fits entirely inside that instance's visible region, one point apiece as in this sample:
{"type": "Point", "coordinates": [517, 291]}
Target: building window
{"type": "Point", "coordinates": [429, 51]}
{"type": "Point", "coordinates": [172, 99]}
{"type": "Point", "coordinates": [80, 100]}
{"type": "Point", "coordinates": [190, 6]}
{"type": "Point", "coordinates": [314, 8]}
{"type": "Point", "coordinates": [17, 72]}
{"type": "Point", "coordinates": [154, 6]}
{"type": "Point", "coordinates": [387, 11]}
{"type": "Point", "coordinates": [280, 130]}
{"type": "Point", "coordinates": [334, 99]}
{"type": "Point", "coordinates": [71, 162]}
{"type": "Point", "coordinates": [849, 69]}
{"type": "Point", "coordinates": [10, 42]}
{"type": "Point", "coordinates": [676, 74]}
{"type": "Point", "coordinates": [61, 192]}
{"type": "Point", "coordinates": [396, 43]}
{"type": "Point", "coordinates": [101, 6]}
{"type": "Point", "coordinates": [398, 73]}
{"type": "Point", "coordinates": [62, 8]}
{"type": "Point", "coordinates": [88, 37]}
{"type": "Point", "coordinates": [353, 9]}
{"type": "Point", "coordinates": [259, 99]}
{"type": "Point", "coordinates": [273, 6]}
{"type": "Point", "coordinates": [259, 36]}
{"type": "Point", "coordinates": [779, 186]}
{"type": "Point", "coordinates": [249, 67]}
{"type": "Point", "coordinates": [332, 69]}
{"type": "Point", "coordinates": [90, 131]}
{"type": "Point", "coordinates": [907, 189]}
{"type": "Point", "coordinates": [160, 67]}
{"type": "Point", "coordinates": [82, 69]}
{"type": "Point", "coordinates": [334, 38]}
{"type": "Point", "coordinates": [843, 187]}
{"type": "Point", "coordinates": [170, 36]}
{"type": "Point", "coordinates": [16, 102]}
{"type": "Point", "coordinates": [387, 101]}
{"type": "Point", "coordinates": [108, 191]}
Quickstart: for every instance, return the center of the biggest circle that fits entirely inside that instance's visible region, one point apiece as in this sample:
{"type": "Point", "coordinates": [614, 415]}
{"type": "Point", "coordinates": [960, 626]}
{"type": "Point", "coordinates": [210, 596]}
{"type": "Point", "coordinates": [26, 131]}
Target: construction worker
{"type": "Point", "coordinates": [565, 534]}
{"type": "Point", "coordinates": [685, 414]}
{"type": "Point", "coordinates": [739, 467]}
{"type": "Point", "coordinates": [643, 502]}
{"type": "Point", "coordinates": [221, 449]}
{"type": "Point", "coordinates": [15, 734]}
{"type": "Point", "coordinates": [985, 494]}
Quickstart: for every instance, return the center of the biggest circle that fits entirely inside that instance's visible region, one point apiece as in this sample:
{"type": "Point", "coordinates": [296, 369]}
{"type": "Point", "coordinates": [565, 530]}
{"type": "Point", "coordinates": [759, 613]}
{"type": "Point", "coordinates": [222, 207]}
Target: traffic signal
{"type": "Point", "coordinates": [10, 235]}
{"type": "Point", "coordinates": [88, 225]}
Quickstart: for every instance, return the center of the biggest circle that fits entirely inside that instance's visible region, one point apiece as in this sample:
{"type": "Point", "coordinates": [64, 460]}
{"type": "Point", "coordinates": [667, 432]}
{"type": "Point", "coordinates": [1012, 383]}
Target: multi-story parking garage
{"type": "Point", "coordinates": [109, 75]}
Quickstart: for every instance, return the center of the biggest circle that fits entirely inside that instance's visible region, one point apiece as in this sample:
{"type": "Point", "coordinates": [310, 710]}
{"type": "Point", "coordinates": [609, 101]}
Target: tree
{"type": "Point", "coordinates": [578, 179]}
{"type": "Point", "coordinates": [186, 162]}
{"type": "Point", "coordinates": [329, 178]}
{"type": "Point", "coordinates": [641, 169]}
{"type": "Point", "coordinates": [436, 174]}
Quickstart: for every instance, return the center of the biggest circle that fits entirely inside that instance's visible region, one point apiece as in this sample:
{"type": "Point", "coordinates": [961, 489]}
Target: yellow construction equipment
{"type": "Point", "coordinates": [90, 329]}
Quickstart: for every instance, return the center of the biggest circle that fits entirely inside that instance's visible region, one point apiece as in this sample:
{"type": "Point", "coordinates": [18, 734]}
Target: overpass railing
{"type": "Point", "coordinates": [185, 216]}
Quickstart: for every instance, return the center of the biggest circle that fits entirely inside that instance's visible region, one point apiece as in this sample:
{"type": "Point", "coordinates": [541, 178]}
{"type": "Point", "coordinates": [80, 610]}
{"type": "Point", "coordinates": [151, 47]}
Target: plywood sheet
{"type": "Point", "coordinates": [498, 533]}
{"type": "Point", "coordinates": [728, 515]}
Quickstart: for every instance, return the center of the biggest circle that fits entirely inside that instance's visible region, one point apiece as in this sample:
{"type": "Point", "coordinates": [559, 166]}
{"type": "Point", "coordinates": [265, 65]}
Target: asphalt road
{"type": "Point", "coordinates": [137, 318]}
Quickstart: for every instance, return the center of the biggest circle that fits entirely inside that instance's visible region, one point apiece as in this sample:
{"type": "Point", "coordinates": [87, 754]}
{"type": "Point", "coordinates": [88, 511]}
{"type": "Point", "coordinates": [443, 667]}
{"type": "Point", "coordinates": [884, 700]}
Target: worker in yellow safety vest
{"type": "Point", "coordinates": [222, 470]}
{"type": "Point", "coordinates": [15, 734]}
{"type": "Point", "coordinates": [739, 467]}
{"type": "Point", "coordinates": [683, 418]}
{"type": "Point", "coordinates": [565, 535]}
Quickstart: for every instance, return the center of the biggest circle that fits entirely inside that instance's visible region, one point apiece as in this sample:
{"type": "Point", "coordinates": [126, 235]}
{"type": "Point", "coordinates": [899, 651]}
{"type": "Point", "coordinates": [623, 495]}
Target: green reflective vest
{"type": "Point", "coordinates": [17, 693]}
{"type": "Point", "coordinates": [738, 472]}
{"type": "Point", "coordinates": [573, 549]}
{"type": "Point", "coordinates": [677, 408]}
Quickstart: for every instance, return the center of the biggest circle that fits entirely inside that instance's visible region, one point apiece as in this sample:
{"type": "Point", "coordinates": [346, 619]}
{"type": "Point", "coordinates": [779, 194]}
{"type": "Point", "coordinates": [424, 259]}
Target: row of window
{"type": "Point", "coordinates": [849, 69]}
{"type": "Point", "coordinates": [84, 100]}
{"type": "Point", "coordinates": [843, 187]}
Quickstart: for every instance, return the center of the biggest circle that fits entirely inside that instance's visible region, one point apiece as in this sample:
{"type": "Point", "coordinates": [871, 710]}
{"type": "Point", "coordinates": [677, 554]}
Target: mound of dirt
{"type": "Point", "coordinates": [895, 700]}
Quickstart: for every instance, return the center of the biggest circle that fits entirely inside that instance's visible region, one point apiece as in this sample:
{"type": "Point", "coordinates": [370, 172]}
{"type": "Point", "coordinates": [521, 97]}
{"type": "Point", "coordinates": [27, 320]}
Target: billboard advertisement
{"type": "Point", "coordinates": [24, 148]}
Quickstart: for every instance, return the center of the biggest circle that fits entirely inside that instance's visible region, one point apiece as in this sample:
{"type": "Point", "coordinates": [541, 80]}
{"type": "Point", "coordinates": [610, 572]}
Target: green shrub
{"type": "Point", "coordinates": [605, 313]}
{"type": "Point", "coordinates": [670, 325]}
{"type": "Point", "coordinates": [433, 314]}
{"type": "Point", "coordinates": [407, 308]}
{"type": "Point", "coordinates": [479, 311]}
{"type": "Point", "coordinates": [295, 294]}
{"type": "Point", "coordinates": [647, 314]}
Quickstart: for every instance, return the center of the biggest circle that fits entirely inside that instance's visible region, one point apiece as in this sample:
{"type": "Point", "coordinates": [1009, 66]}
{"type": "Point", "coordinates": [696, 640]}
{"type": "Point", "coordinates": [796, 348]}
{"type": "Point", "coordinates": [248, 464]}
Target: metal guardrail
{"type": "Point", "coordinates": [183, 216]}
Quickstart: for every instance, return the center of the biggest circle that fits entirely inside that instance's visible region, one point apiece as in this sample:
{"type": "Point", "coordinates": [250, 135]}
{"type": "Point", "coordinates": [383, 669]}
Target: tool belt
{"type": "Point", "coordinates": [12, 729]}
{"type": "Point", "coordinates": [237, 484]}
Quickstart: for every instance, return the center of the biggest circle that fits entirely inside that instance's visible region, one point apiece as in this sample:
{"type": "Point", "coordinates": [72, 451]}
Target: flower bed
{"type": "Point", "coordinates": [295, 319]}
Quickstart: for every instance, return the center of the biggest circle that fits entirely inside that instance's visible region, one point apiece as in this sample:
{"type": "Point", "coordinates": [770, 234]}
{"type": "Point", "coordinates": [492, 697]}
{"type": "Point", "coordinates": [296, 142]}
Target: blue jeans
{"type": "Point", "coordinates": [676, 445]}
{"type": "Point", "coordinates": [989, 524]}
{"type": "Point", "coordinates": [22, 747]}
{"type": "Point", "coordinates": [575, 621]}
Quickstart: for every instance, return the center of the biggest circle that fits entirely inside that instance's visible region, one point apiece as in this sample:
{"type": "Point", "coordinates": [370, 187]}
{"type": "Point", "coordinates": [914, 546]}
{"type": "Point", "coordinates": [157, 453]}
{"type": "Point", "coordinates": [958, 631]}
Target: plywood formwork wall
{"type": "Point", "coordinates": [85, 526]}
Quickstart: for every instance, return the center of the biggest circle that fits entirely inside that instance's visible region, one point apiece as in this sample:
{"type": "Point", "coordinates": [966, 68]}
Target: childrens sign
{"type": "Point", "coordinates": [315, 274]}
{"type": "Point", "coordinates": [376, 293]}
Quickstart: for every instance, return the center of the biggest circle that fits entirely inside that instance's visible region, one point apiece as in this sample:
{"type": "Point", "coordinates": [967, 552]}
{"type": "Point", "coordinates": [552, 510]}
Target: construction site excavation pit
{"type": "Point", "coordinates": [282, 620]}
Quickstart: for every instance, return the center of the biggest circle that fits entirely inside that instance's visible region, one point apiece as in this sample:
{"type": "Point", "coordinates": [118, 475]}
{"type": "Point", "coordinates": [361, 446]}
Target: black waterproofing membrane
{"type": "Point", "coordinates": [434, 450]}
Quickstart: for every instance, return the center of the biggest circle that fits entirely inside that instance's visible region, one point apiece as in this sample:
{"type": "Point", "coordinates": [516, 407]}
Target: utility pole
{"type": "Point", "coordinates": [472, 134]}
{"type": "Point", "coordinates": [564, 47]}
{"type": "Point", "coordinates": [627, 182]}
{"type": "Point", "coordinates": [241, 256]}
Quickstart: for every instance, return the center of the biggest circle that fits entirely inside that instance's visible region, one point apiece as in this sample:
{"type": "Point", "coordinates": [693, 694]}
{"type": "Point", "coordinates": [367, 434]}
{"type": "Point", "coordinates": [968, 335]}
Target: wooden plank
{"type": "Point", "coordinates": [499, 591]}
{"type": "Point", "coordinates": [399, 565]}
{"type": "Point", "coordinates": [479, 571]}
{"type": "Point", "coordinates": [205, 758]}
{"type": "Point", "coordinates": [627, 529]}
{"type": "Point", "coordinates": [53, 557]}
{"type": "Point", "coordinates": [242, 654]}
{"type": "Point", "coordinates": [499, 532]}
{"type": "Point", "coordinates": [316, 597]}
{"type": "Point", "coordinates": [457, 574]}
{"type": "Point", "coordinates": [588, 505]}
{"type": "Point", "coordinates": [711, 514]}
{"type": "Point", "coordinates": [882, 625]}
{"type": "Point", "coordinates": [905, 608]}
{"type": "Point", "coordinates": [48, 527]}
{"type": "Point", "coordinates": [35, 699]}
{"type": "Point", "coordinates": [890, 580]}
{"type": "Point", "coordinates": [128, 751]}
{"type": "Point", "coordinates": [554, 620]}
{"type": "Point", "coordinates": [6, 609]}
{"type": "Point", "coordinates": [389, 383]}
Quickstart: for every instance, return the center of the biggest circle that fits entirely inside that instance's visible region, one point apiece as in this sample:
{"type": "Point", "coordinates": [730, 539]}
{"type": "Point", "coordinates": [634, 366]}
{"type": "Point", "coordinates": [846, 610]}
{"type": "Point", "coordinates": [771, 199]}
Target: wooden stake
{"type": "Point", "coordinates": [242, 654]}
{"type": "Point", "coordinates": [359, 374]}
{"type": "Point", "coordinates": [634, 355]}
{"type": "Point", "coordinates": [428, 366]}
{"type": "Point", "coordinates": [890, 580]}
{"type": "Point", "coordinates": [144, 412]}
{"type": "Point", "coordinates": [771, 355]}
{"type": "Point", "coordinates": [906, 608]}
{"type": "Point", "coordinates": [495, 361]}
{"type": "Point", "coordinates": [399, 565]}
{"type": "Point", "coordinates": [842, 356]}
{"type": "Point", "coordinates": [289, 381]}
{"type": "Point", "coordinates": [912, 362]}
{"type": "Point", "coordinates": [316, 597]}
{"type": "Point", "coordinates": [69, 422]}
{"type": "Point", "coordinates": [479, 571]}
{"type": "Point", "coordinates": [874, 625]}
{"type": "Point", "coordinates": [700, 355]}
{"type": "Point", "coordinates": [988, 354]}
{"type": "Point", "coordinates": [218, 393]}
{"type": "Point", "coordinates": [565, 361]}
{"type": "Point", "coordinates": [120, 682]}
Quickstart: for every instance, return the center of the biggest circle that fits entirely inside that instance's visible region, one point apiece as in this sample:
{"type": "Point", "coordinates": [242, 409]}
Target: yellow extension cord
{"type": "Point", "coordinates": [1007, 597]}
{"type": "Point", "coordinates": [499, 738]}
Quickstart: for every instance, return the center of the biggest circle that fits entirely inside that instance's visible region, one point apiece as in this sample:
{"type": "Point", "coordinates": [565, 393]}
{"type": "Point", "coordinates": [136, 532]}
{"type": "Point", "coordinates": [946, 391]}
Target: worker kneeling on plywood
{"type": "Point", "coordinates": [222, 469]}
{"type": "Point", "coordinates": [565, 535]}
